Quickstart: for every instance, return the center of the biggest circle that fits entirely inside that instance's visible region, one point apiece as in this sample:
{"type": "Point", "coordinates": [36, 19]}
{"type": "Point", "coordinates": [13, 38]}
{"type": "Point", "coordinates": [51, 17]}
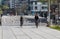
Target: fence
{"type": "Point", "coordinates": [15, 20]}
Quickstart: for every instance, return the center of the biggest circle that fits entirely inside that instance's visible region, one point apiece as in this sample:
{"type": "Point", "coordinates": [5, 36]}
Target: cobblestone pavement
{"type": "Point", "coordinates": [28, 32]}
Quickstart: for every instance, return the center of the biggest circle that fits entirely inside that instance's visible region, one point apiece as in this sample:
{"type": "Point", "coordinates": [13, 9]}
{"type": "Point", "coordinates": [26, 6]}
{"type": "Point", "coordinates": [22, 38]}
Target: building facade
{"type": "Point", "coordinates": [35, 7]}
{"type": "Point", "coordinates": [44, 10]}
{"type": "Point", "coordinates": [16, 3]}
{"type": "Point", "coordinates": [6, 2]}
{"type": "Point", "coordinates": [38, 7]}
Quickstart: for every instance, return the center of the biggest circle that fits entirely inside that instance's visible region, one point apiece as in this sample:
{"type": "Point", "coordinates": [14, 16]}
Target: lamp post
{"type": "Point", "coordinates": [58, 8]}
{"type": "Point", "coordinates": [15, 7]}
{"type": "Point", "coordinates": [48, 18]}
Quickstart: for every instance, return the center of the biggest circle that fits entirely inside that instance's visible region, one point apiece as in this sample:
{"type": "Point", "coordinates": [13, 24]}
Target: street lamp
{"type": "Point", "coordinates": [15, 7]}
{"type": "Point", "coordinates": [58, 8]}
{"type": "Point", "coordinates": [48, 18]}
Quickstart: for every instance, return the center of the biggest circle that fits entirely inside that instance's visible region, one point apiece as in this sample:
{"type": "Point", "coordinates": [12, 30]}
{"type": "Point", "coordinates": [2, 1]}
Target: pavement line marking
{"type": "Point", "coordinates": [34, 34]}
{"type": "Point", "coordinates": [13, 32]}
{"type": "Point", "coordinates": [50, 34]}
{"type": "Point", "coordinates": [2, 32]}
{"type": "Point", "coordinates": [43, 34]}
{"type": "Point", "coordinates": [21, 31]}
{"type": "Point", "coordinates": [39, 34]}
{"type": "Point", "coordinates": [26, 34]}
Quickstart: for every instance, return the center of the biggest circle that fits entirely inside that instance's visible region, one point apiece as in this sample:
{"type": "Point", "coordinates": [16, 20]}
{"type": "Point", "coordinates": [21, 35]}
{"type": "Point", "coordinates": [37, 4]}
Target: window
{"type": "Point", "coordinates": [35, 7]}
{"type": "Point", "coordinates": [44, 7]}
{"type": "Point", "coordinates": [21, 0]}
{"type": "Point", "coordinates": [31, 2]}
{"type": "Point", "coordinates": [31, 8]}
{"type": "Point", "coordinates": [35, 3]}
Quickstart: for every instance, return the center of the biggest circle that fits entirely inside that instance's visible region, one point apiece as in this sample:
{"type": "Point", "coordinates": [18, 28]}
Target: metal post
{"type": "Point", "coordinates": [15, 7]}
{"type": "Point", "coordinates": [48, 18]}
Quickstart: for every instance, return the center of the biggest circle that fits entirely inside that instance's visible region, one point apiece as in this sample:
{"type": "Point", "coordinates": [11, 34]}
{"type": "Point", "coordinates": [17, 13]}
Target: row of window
{"type": "Point", "coordinates": [36, 8]}
{"type": "Point", "coordinates": [33, 2]}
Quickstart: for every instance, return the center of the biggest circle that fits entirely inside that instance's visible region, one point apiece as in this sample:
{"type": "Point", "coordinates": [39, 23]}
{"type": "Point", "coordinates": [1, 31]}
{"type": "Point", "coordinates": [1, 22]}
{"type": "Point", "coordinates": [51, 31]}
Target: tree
{"type": "Point", "coordinates": [1, 11]}
{"type": "Point", "coordinates": [52, 1]}
{"type": "Point", "coordinates": [22, 8]}
{"type": "Point", "coordinates": [42, 0]}
{"type": "Point", "coordinates": [5, 7]}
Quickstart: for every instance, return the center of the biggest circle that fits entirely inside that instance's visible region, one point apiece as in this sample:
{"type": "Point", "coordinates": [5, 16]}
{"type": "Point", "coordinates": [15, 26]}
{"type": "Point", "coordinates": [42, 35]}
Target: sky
{"type": "Point", "coordinates": [0, 1]}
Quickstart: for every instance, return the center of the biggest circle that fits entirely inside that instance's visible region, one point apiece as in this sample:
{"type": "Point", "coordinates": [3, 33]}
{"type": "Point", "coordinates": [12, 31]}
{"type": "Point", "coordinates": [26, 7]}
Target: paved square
{"type": "Point", "coordinates": [28, 32]}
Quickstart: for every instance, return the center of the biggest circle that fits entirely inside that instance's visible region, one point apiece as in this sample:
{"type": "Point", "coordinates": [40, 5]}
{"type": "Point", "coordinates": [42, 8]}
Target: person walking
{"type": "Point", "coordinates": [36, 20]}
{"type": "Point", "coordinates": [21, 21]}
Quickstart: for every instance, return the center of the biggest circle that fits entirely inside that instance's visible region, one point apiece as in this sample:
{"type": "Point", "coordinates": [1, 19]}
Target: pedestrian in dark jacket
{"type": "Point", "coordinates": [21, 21]}
{"type": "Point", "coordinates": [36, 20]}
